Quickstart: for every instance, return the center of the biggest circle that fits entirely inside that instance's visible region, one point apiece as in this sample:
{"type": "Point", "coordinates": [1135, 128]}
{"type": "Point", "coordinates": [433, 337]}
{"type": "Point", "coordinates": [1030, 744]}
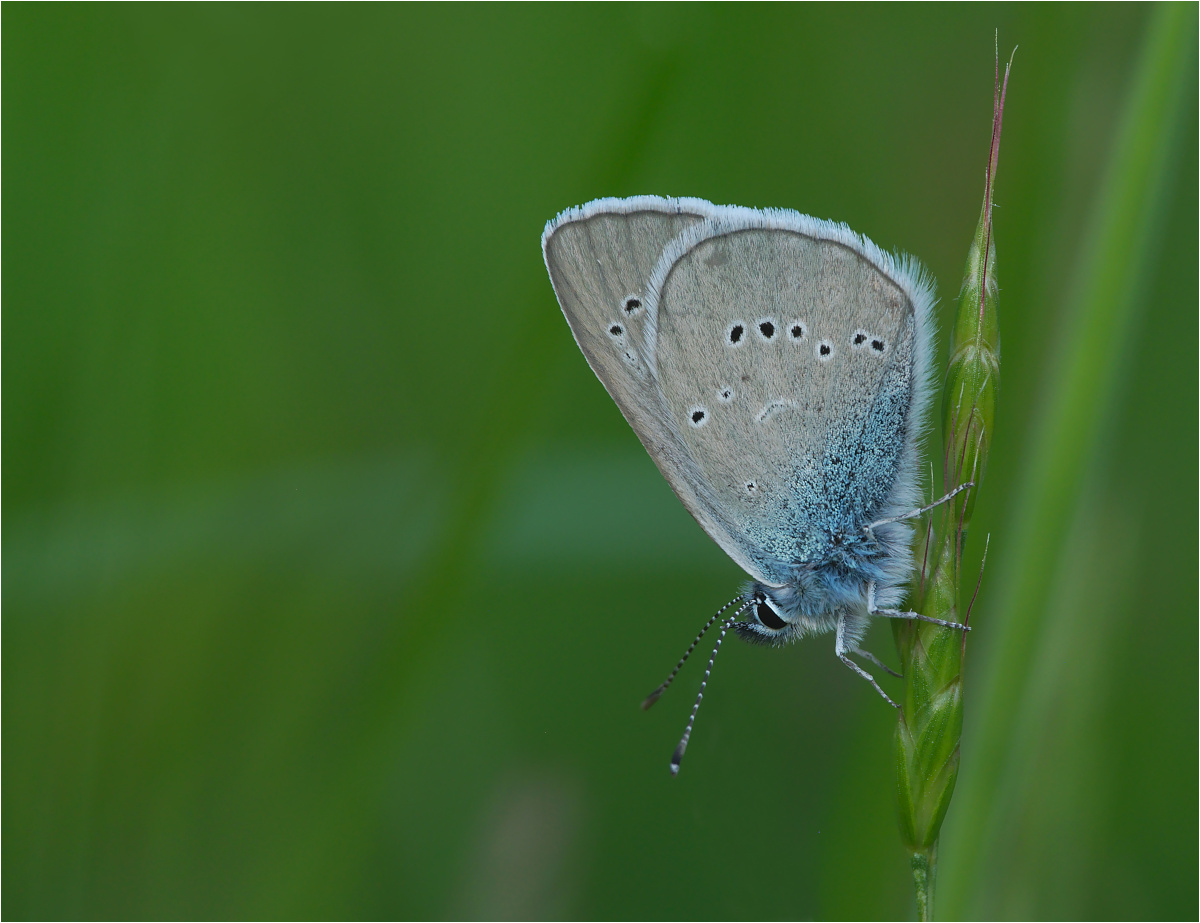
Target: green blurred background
{"type": "Point", "coordinates": [332, 577]}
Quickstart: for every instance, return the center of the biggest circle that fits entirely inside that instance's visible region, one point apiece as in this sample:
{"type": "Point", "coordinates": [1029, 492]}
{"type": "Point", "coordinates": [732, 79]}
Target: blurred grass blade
{"type": "Point", "coordinates": [1112, 272]}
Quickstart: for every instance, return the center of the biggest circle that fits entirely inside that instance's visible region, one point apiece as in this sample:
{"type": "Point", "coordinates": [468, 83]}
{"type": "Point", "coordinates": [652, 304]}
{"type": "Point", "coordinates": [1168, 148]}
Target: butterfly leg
{"type": "Point", "coordinates": [859, 652]}
{"type": "Point", "coordinates": [921, 511]}
{"type": "Point", "coordinates": [872, 609]}
{"type": "Point", "coordinates": [842, 649]}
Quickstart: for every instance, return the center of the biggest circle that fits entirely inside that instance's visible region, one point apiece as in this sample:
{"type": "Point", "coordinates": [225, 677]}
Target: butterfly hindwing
{"type": "Point", "coordinates": [600, 258]}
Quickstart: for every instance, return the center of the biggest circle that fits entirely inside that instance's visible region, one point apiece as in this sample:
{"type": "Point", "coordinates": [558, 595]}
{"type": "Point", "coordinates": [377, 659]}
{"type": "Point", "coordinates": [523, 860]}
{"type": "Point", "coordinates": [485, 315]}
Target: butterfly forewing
{"type": "Point", "coordinates": [785, 363]}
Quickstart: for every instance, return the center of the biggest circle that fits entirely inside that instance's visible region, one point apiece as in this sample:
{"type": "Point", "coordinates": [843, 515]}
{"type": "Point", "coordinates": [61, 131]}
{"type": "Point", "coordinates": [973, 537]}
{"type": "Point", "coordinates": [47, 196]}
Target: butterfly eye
{"type": "Point", "coordinates": [766, 615]}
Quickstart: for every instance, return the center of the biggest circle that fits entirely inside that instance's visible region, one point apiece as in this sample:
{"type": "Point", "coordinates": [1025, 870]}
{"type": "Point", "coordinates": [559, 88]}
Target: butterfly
{"type": "Point", "coordinates": [777, 368]}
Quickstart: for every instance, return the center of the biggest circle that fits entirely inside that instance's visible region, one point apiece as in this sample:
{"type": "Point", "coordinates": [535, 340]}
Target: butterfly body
{"type": "Point", "coordinates": [776, 368]}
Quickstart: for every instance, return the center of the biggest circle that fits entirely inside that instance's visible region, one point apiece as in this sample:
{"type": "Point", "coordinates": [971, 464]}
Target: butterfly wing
{"type": "Point", "coordinates": [600, 258]}
{"type": "Point", "coordinates": [792, 361]}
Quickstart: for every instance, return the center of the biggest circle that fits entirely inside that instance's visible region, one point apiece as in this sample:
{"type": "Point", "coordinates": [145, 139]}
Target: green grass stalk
{"type": "Point", "coordinates": [929, 727]}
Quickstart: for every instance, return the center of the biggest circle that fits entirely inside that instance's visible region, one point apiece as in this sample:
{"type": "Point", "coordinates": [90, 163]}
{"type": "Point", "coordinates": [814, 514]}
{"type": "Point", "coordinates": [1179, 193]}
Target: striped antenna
{"type": "Point", "coordinates": [653, 697]}
{"type": "Point", "coordinates": [677, 756]}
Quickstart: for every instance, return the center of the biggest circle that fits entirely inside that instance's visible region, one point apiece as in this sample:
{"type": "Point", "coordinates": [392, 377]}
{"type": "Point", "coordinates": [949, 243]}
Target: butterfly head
{"type": "Point", "coordinates": [772, 613]}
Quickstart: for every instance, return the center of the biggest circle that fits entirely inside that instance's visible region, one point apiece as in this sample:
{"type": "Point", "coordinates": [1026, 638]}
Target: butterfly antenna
{"type": "Point", "coordinates": [677, 756]}
{"type": "Point", "coordinates": [653, 697]}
